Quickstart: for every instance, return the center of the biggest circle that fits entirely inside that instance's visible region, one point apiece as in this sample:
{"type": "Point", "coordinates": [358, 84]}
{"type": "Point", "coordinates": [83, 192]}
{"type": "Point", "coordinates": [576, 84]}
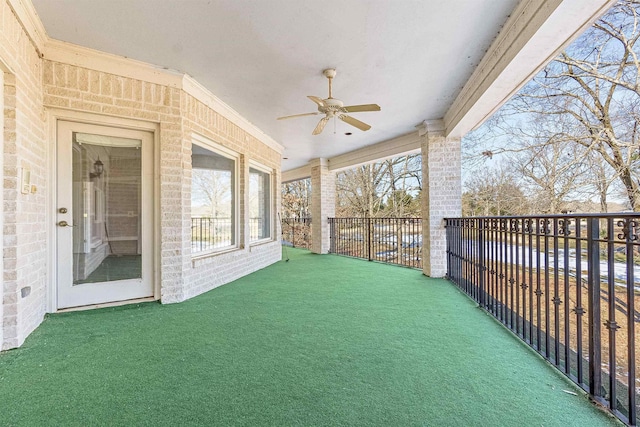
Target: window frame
{"type": "Point", "coordinates": [252, 164]}
{"type": "Point", "coordinates": [208, 144]}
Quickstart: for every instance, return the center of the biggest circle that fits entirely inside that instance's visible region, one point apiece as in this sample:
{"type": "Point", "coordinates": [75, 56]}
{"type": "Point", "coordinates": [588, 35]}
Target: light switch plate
{"type": "Point", "coordinates": [26, 181]}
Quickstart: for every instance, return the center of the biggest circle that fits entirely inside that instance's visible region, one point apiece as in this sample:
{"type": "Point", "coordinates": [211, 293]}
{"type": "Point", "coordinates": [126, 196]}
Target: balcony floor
{"type": "Point", "coordinates": [318, 340]}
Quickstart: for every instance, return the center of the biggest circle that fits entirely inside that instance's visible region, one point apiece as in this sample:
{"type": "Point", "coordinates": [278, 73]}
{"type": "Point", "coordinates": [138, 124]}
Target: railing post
{"type": "Point", "coordinates": [447, 231]}
{"type": "Point", "coordinates": [369, 239]}
{"type": "Point", "coordinates": [332, 240]}
{"type": "Point", "coordinates": [593, 278]}
{"type": "Point", "coordinates": [629, 233]}
{"type": "Point", "coordinates": [481, 264]}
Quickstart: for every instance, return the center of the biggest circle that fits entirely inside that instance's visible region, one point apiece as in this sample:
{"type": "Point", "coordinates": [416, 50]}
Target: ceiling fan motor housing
{"type": "Point", "coordinates": [331, 106]}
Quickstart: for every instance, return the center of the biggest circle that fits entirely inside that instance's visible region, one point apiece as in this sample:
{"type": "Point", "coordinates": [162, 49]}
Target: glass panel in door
{"type": "Point", "coordinates": [107, 176]}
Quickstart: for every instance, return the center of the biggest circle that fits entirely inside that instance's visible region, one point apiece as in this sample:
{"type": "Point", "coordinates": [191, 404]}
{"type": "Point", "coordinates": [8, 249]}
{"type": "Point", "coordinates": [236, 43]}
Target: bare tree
{"type": "Point", "coordinates": [589, 98]}
{"type": "Point", "coordinates": [386, 188]}
{"type": "Point", "coordinates": [552, 167]}
{"type": "Point", "coordinates": [359, 190]}
{"type": "Point", "coordinates": [603, 179]}
{"type": "Point", "coordinates": [594, 83]}
{"type": "Point", "coordinates": [211, 192]}
{"type": "Point", "coordinates": [493, 192]}
{"type": "Point", "coordinates": [296, 199]}
{"type": "Point", "coordinates": [404, 176]}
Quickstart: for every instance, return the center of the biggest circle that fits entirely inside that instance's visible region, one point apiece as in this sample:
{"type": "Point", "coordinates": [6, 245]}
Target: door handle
{"type": "Point", "coordinates": [64, 224]}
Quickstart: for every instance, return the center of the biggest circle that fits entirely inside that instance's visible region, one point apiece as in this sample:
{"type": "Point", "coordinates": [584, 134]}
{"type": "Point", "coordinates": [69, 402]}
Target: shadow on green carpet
{"type": "Point", "coordinates": [319, 340]}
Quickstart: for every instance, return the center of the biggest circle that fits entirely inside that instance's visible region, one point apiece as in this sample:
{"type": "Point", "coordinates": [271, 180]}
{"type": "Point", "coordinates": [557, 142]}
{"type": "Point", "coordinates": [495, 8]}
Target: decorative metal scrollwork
{"type": "Point", "coordinates": [527, 225]}
{"type": "Point", "coordinates": [544, 226]}
{"type": "Point", "coordinates": [629, 227]}
{"type": "Point", "coordinates": [564, 227]}
{"type": "Point", "coordinates": [514, 225]}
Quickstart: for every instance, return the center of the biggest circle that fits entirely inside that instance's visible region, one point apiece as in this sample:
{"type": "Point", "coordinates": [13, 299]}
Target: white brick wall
{"type": "Point", "coordinates": [323, 204]}
{"type": "Point", "coordinates": [68, 86]}
{"type": "Point", "coordinates": [40, 83]}
{"type": "Point", "coordinates": [24, 146]}
{"type": "Point", "coordinates": [207, 273]}
{"type": "Point", "coordinates": [442, 188]}
{"type": "Point", "coordinates": [179, 115]}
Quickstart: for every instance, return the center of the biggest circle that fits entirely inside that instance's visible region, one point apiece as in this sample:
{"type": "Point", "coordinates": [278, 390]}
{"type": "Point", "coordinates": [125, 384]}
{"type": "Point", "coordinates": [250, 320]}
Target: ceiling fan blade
{"type": "Point", "coordinates": [317, 100]}
{"type": "Point", "coordinates": [321, 124]}
{"type": "Point", "coordinates": [354, 122]}
{"type": "Point", "coordinates": [298, 115]}
{"type": "Point", "coordinates": [358, 108]}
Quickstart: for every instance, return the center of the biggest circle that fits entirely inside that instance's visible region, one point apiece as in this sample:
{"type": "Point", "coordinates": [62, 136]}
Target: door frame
{"type": "Point", "coordinates": [53, 115]}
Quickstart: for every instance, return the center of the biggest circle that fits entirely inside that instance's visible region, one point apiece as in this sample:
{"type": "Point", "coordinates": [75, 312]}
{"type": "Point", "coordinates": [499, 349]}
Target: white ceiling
{"type": "Point", "coordinates": [263, 57]}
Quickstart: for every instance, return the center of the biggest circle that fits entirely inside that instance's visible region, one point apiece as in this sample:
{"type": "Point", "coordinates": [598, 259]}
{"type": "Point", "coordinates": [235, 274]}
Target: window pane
{"type": "Point", "coordinates": [259, 206]}
{"type": "Point", "coordinates": [212, 200]}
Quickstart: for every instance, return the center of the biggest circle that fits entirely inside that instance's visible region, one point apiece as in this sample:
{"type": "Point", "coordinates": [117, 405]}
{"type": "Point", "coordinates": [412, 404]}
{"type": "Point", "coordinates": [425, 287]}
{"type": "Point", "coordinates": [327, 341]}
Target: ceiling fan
{"type": "Point", "coordinates": [332, 107]}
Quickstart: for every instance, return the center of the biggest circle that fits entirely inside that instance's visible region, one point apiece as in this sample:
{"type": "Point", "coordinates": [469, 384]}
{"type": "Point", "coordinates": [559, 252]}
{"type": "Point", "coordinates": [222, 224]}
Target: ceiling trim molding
{"type": "Point", "coordinates": [296, 174]}
{"type": "Point", "coordinates": [321, 162]}
{"type": "Point", "coordinates": [92, 59]}
{"type": "Point", "coordinates": [431, 127]}
{"type": "Point", "coordinates": [535, 33]}
{"type": "Point", "coordinates": [202, 94]}
{"type": "Point", "coordinates": [72, 54]}
{"type": "Point", "coordinates": [31, 23]}
{"type": "Point", "coordinates": [400, 146]}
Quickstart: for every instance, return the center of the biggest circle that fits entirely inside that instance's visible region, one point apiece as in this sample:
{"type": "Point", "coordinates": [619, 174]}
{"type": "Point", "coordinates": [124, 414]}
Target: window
{"type": "Point", "coordinates": [213, 200]}
{"type": "Point", "coordinates": [259, 204]}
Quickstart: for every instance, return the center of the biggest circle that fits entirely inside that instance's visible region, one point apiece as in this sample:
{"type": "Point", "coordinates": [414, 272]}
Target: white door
{"type": "Point", "coordinates": [104, 211]}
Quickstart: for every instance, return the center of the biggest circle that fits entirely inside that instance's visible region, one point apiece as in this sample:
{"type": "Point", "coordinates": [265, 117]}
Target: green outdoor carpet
{"type": "Point", "coordinates": [316, 341]}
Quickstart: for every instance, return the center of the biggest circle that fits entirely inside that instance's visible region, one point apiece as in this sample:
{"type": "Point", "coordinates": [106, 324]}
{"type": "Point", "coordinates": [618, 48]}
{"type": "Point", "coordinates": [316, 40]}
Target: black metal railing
{"type": "Point", "coordinates": [209, 233]}
{"type": "Point", "coordinates": [569, 286]}
{"type": "Point", "coordinates": [296, 232]}
{"type": "Point", "coordinates": [390, 240]}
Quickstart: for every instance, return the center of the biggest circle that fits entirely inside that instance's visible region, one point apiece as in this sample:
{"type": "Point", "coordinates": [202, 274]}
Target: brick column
{"type": "Point", "coordinates": [323, 204]}
{"type": "Point", "coordinates": [441, 193]}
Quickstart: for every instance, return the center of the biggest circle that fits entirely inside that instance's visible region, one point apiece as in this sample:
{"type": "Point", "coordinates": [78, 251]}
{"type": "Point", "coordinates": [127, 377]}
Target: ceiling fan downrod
{"type": "Point", "coordinates": [330, 73]}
